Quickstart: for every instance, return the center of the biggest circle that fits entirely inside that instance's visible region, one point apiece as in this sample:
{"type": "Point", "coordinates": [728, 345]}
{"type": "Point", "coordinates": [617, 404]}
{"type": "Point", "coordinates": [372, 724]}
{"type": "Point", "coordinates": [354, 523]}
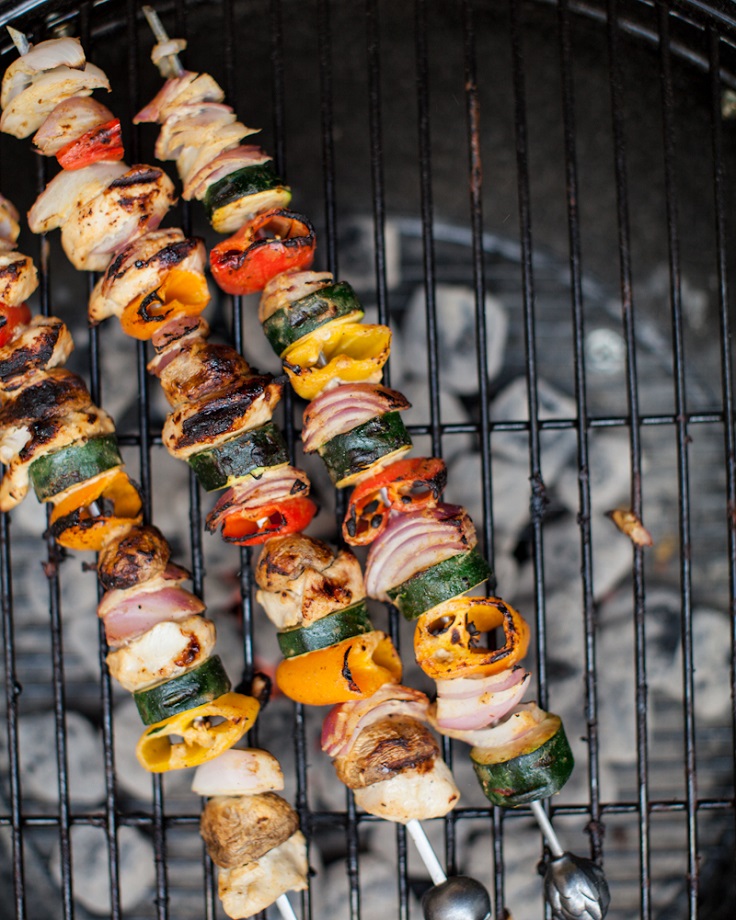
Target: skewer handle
{"type": "Point", "coordinates": [169, 65]}
{"type": "Point", "coordinates": [284, 906]}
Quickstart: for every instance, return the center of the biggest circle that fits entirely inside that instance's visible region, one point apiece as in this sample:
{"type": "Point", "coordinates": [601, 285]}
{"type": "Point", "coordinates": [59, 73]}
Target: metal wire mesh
{"type": "Point", "coordinates": [468, 137]}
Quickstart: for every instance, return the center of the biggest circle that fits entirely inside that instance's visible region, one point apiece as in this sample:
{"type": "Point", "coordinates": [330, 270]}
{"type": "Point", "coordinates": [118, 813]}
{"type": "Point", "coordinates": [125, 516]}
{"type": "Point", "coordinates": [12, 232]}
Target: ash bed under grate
{"type": "Point", "coordinates": [625, 174]}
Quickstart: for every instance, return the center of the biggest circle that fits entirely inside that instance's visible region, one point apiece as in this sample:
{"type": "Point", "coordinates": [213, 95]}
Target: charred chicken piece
{"type": "Point", "coordinates": [238, 829]}
{"type": "Point", "coordinates": [18, 278]}
{"type": "Point", "coordinates": [44, 343]}
{"type": "Point", "coordinates": [138, 555]}
{"type": "Point", "coordinates": [201, 369]}
{"type": "Point", "coordinates": [303, 579]}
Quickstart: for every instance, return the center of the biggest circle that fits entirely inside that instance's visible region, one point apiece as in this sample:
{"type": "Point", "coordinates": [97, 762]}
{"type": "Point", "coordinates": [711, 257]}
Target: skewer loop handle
{"type": "Point", "coordinates": [458, 898]}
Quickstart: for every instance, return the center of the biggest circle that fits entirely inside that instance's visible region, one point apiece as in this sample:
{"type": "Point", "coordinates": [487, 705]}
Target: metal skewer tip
{"type": "Point", "coordinates": [19, 40]}
{"type": "Point", "coordinates": [169, 64]}
{"type": "Point", "coordinates": [284, 906]}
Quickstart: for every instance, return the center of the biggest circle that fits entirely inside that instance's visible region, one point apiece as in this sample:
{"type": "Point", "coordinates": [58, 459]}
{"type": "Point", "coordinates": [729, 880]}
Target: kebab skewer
{"type": "Point", "coordinates": [424, 561]}
{"type": "Point", "coordinates": [176, 337]}
{"type": "Point", "coordinates": [53, 438]}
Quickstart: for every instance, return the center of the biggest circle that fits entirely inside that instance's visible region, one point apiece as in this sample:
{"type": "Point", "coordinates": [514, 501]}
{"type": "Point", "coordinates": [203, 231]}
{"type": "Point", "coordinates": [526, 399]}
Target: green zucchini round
{"type": "Point", "coordinates": [351, 453]}
{"type": "Point", "coordinates": [221, 466]}
{"type": "Point", "coordinates": [302, 316]}
{"type": "Point", "coordinates": [244, 193]}
{"type": "Point", "coordinates": [328, 630]}
{"type": "Point", "coordinates": [193, 688]}
{"type": "Point", "coordinates": [520, 772]}
{"type": "Point", "coordinates": [439, 583]}
{"type": "Point", "coordinates": [68, 466]}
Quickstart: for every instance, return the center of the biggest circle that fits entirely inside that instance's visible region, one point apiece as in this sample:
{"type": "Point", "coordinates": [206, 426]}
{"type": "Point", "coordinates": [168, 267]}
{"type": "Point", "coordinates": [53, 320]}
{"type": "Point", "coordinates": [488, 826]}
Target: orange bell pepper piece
{"type": "Point", "coordinates": [182, 293]}
{"type": "Point", "coordinates": [87, 516]}
{"type": "Point", "coordinates": [350, 670]}
{"type": "Point", "coordinates": [447, 638]}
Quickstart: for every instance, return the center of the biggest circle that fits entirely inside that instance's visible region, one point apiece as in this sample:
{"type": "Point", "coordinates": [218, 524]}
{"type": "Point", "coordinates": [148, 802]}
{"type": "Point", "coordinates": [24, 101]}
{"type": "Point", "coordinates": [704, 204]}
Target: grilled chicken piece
{"type": "Point", "coordinates": [172, 338]}
{"type": "Point", "coordinates": [69, 121]}
{"type": "Point", "coordinates": [137, 556]}
{"type": "Point", "coordinates": [130, 206]}
{"type": "Point", "coordinates": [44, 343]}
{"type": "Point", "coordinates": [9, 226]}
{"type": "Point", "coordinates": [28, 110]}
{"type": "Point", "coordinates": [201, 369]}
{"type": "Point", "coordinates": [302, 579]}
{"type": "Point", "coordinates": [55, 52]}
{"type": "Point", "coordinates": [18, 278]}
{"type": "Point", "coordinates": [69, 191]}
{"type": "Point", "coordinates": [418, 793]}
{"type": "Point", "coordinates": [210, 421]}
{"type": "Point", "coordinates": [238, 829]}
{"type": "Point", "coordinates": [189, 88]}
{"type": "Point", "coordinates": [385, 749]}
{"type": "Point", "coordinates": [141, 267]}
{"type": "Point", "coordinates": [165, 651]}
{"type": "Point", "coordinates": [39, 438]}
{"type": "Point", "coordinates": [252, 888]}
{"type": "Point", "coordinates": [189, 124]}
{"type": "Point", "coordinates": [222, 165]}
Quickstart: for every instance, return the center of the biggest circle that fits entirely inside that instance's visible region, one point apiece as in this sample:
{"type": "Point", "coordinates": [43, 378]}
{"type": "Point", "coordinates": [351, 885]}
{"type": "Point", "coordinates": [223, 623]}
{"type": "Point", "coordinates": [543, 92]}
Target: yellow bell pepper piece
{"type": "Point", "coordinates": [197, 739]}
{"type": "Point", "coordinates": [447, 638]}
{"type": "Point", "coordinates": [182, 293]}
{"type": "Point", "coordinates": [348, 352]}
{"type": "Point", "coordinates": [88, 515]}
{"type": "Point", "coordinates": [350, 670]}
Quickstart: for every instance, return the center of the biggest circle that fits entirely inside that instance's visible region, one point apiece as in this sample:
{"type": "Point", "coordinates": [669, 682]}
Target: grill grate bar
{"type": "Point", "coordinates": [627, 310]}
{"type": "Point", "coordinates": [581, 400]}
{"type": "Point", "coordinates": [673, 245]}
{"type": "Point", "coordinates": [729, 434]}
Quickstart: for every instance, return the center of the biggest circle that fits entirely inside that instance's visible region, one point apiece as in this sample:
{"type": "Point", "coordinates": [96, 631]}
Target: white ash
{"type": "Point", "coordinates": [357, 252]}
{"type": "Point", "coordinates": [456, 337]}
{"type": "Point", "coordinates": [452, 411]}
{"type": "Point", "coordinates": [557, 445]}
{"type": "Point", "coordinates": [609, 474]}
{"type": "Point", "coordinates": [39, 770]}
{"type": "Point", "coordinates": [90, 868]}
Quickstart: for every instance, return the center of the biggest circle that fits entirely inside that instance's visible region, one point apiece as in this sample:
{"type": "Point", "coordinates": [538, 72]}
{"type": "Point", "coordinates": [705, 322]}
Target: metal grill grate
{"type": "Point", "coordinates": [570, 158]}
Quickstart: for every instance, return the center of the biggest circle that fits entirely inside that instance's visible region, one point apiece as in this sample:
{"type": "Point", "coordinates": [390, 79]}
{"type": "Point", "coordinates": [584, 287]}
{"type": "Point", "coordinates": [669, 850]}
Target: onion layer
{"type": "Point", "coordinates": [342, 408]}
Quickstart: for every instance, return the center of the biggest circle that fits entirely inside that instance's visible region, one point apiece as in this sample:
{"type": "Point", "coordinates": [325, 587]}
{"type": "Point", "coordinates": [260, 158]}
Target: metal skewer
{"type": "Point", "coordinates": [19, 40]}
{"type": "Point", "coordinates": [575, 887]}
{"type": "Point", "coordinates": [170, 65]}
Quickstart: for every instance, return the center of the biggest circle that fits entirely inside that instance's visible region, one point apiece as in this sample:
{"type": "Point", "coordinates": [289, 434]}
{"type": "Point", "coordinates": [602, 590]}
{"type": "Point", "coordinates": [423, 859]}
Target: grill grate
{"type": "Point", "coordinates": [445, 151]}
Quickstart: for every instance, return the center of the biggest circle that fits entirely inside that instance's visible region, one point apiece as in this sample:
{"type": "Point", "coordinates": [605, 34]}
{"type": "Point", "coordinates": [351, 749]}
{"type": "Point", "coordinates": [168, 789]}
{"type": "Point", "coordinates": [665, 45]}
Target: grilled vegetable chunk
{"type": "Point", "coordinates": [240, 829]}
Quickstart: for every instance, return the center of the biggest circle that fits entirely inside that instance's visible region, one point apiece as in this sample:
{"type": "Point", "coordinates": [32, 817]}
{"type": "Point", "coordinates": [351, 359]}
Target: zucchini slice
{"type": "Point", "coordinates": [533, 766]}
{"type": "Point", "coordinates": [349, 455]}
{"type": "Point", "coordinates": [193, 688]}
{"type": "Point", "coordinates": [329, 630]}
{"type": "Point", "coordinates": [68, 466]}
{"type": "Point", "coordinates": [246, 192]}
{"type": "Point", "coordinates": [333, 302]}
{"type": "Point", "coordinates": [245, 455]}
{"type": "Point", "coordinates": [439, 583]}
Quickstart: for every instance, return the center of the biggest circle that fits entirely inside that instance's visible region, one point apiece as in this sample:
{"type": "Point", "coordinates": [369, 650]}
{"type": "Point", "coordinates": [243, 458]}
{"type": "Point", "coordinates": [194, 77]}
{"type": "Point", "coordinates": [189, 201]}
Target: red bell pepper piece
{"type": "Point", "coordinates": [10, 319]}
{"type": "Point", "coordinates": [103, 142]}
{"type": "Point", "coordinates": [406, 485]}
{"type": "Point", "coordinates": [249, 527]}
{"type": "Point", "coordinates": [270, 243]}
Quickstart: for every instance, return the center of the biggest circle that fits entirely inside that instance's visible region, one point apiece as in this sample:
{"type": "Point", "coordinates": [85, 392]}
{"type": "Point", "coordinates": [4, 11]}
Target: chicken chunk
{"type": "Point", "coordinates": [44, 343]}
{"type": "Point", "coordinates": [68, 121]}
{"type": "Point", "coordinates": [414, 794]}
{"type": "Point", "coordinates": [18, 278]}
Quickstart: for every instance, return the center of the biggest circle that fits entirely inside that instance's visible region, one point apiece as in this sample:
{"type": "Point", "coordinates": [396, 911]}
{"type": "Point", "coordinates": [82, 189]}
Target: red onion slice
{"type": "Point", "coordinates": [345, 721]}
{"type": "Point", "coordinates": [277, 484]}
{"type": "Point", "coordinates": [489, 705]}
{"type": "Point", "coordinates": [342, 408]}
{"type": "Point", "coordinates": [140, 612]}
{"type": "Point", "coordinates": [413, 542]}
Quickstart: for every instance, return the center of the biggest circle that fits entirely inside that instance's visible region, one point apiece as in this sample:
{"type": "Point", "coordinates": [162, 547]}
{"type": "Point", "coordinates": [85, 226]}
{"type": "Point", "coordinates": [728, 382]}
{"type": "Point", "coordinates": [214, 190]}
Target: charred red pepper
{"type": "Point", "coordinates": [251, 526]}
{"type": "Point", "coordinates": [10, 319]}
{"type": "Point", "coordinates": [265, 246]}
{"type": "Point", "coordinates": [406, 485]}
{"type": "Point", "coordinates": [103, 142]}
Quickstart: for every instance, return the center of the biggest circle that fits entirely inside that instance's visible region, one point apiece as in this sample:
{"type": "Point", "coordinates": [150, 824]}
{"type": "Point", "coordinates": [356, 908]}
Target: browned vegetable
{"type": "Point", "coordinates": [629, 524]}
{"type": "Point", "coordinates": [238, 829]}
{"type": "Point", "coordinates": [139, 554]}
